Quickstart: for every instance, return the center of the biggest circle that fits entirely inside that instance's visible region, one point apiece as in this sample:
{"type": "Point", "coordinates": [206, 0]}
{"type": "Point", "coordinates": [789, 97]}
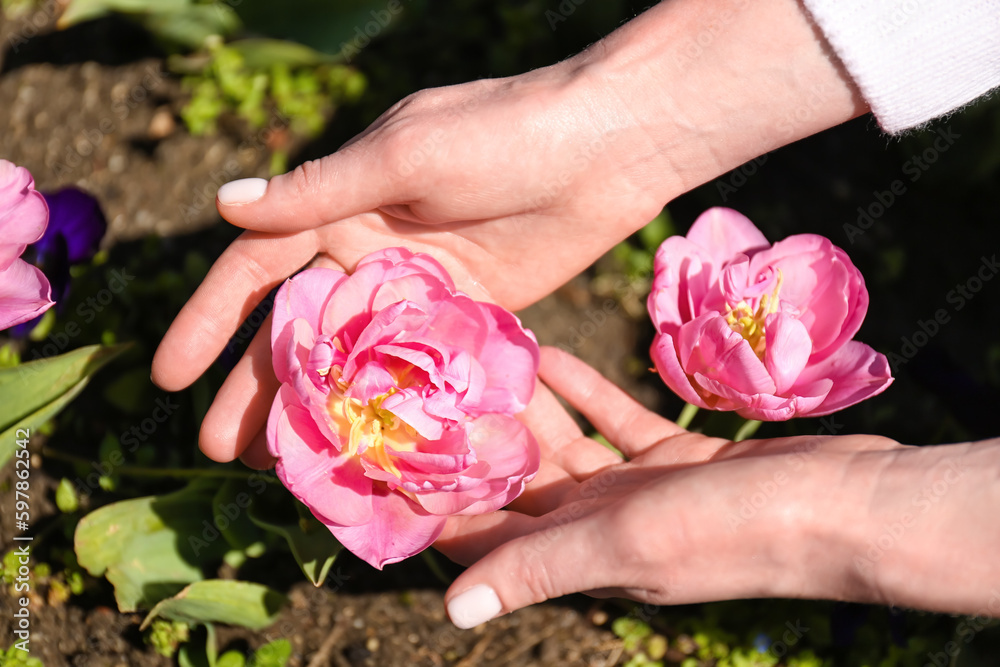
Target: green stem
{"type": "Point", "coordinates": [687, 414]}
{"type": "Point", "coordinates": [177, 473]}
{"type": "Point", "coordinates": [749, 427]}
{"type": "Point", "coordinates": [434, 567]}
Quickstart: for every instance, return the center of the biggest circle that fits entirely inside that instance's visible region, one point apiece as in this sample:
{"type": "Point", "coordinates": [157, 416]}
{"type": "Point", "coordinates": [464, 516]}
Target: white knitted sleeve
{"type": "Point", "coordinates": [914, 60]}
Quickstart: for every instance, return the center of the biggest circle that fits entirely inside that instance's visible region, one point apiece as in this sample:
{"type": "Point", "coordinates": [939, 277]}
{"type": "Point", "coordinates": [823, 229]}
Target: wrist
{"type": "Point", "coordinates": [924, 507]}
{"type": "Point", "coordinates": [711, 84]}
{"type": "Point", "coordinates": [814, 524]}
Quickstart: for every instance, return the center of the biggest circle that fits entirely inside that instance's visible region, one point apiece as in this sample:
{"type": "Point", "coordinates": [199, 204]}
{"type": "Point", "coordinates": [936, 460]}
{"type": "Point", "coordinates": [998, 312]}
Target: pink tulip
{"type": "Point", "coordinates": [395, 405]}
{"type": "Point", "coordinates": [763, 330]}
{"type": "Point", "coordinates": [24, 290]}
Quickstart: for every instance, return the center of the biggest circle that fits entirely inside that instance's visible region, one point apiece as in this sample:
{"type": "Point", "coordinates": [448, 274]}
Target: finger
{"type": "Point", "coordinates": [466, 539]}
{"type": "Point", "coordinates": [239, 411]}
{"type": "Point", "coordinates": [355, 179]}
{"type": "Point", "coordinates": [546, 491]}
{"type": "Point", "coordinates": [617, 416]}
{"type": "Point", "coordinates": [534, 568]}
{"type": "Point", "coordinates": [256, 455]}
{"type": "Point", "coordinates": [560, 439]}
{"type": "Point", "coordinates": [248, 269]}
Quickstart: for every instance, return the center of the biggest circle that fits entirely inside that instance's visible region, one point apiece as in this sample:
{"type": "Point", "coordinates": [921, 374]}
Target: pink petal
{"type": "Point", "coordinates": [827, 290]}
{"type": "Point", "coordinates": [446, 464]}
{"type": "Point", "coordinates": [24, 293]}
{"type": "Point", "coordinates": [765, 407]}
{"type": "Point", "coordinates": [441, 459]}
{"type": "Point", "coordinates": [857, 371]}
{"type": "Point", "coordinates": [370, 381]}
{"type": "Point", "coordinates": [386, 327]}
{"type": "Point", "coordinates": [781, 408]}
{"type": "Point", "coordinates": [350, 309]}
{"type": "Point", "coordinates": [399, 528]}
{"type": "Point", "coordinates": [398, 262]}
{"type": "Point", "coordinates": [291, 348]}
{"type": "Point", "coordinates": [664, 355]}
{"type": "Point", "coordinates": [513, 457]}
{"type": "Point", "coordinates": [354, 303]}
{"type": "Point", "coordinates": [708, 346]}
{"type": "Point", "coordinates": [787, 350]}
{"type": "Point", "coordinates": [683, 277]}
{"type": "Point", "coordinates": [333, 486]}
{"type": "Point", "coordinates": [854, 294]}
{"type": "Point", "coordinates": [422, 289]}
{"type": "Point", "coordinates": [509, 358]}
{"type": "Point", "coordinates": [724, 233]}
{"type": "Point", "coordinates": [408, 405]}
{"type": "Point", "coordinates": [324, 359]}
{"type": "Point", "coordinates": [503, 380]}
{"type": "Point", "coordinates": [23, 212]}
{"type": "Point", "coordinates": [304, 296]}
{"type": "Point", "coordinates": [446, 404]}
{"type": "Point", "coordinates": [735, 278]}
{"type": "Point", "coordinates": [290, 357]}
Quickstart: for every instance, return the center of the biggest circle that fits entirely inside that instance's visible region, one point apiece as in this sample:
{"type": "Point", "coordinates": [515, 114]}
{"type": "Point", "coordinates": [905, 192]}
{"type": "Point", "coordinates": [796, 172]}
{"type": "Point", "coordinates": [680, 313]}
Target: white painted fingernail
{"type": "Point", "coordinates": [473, 607]}
{"type": "Point", "coordinates": [243, 191]}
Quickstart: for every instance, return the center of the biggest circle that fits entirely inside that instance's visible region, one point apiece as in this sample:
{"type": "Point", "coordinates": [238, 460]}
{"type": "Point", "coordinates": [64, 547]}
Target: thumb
{"type": "Point", "coordinates": [353, 180]}
{"type": "Point", "coordinates": [531, 569]}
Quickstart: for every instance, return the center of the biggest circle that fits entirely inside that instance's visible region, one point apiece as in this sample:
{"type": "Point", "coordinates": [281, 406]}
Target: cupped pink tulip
{"type": "Point", "coordinates": [763, 330]}
{"type": "Point", "coordinates": [24, 290]}
{"type": "Point", "coordinates": [396, 402]}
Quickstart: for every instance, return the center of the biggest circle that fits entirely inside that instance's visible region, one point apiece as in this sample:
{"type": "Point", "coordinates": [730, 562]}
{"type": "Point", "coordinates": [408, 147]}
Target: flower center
{"type": "Point", "coordinates": [749, 322]}
{"type": "Point", "coordinates": [370, 424]}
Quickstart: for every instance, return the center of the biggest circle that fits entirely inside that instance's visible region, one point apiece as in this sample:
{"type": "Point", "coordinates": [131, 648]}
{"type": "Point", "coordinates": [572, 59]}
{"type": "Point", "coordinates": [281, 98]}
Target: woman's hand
{"type": "Point", "coordinates": [515, 185]}
{"type": "Point", "coordinates": [688, 518]}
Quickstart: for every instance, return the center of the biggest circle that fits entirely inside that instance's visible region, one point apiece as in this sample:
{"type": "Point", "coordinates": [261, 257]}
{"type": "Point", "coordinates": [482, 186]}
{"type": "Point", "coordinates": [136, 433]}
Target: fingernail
{"type": "Point", "coordinates": [473, 607]}
{"type": "Point", "coordinates": [243, 191]}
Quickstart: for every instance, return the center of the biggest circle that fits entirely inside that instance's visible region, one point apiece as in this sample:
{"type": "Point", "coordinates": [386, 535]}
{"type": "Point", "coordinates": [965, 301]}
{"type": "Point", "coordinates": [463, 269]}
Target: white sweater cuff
{"type": "Point", "coordinates": [914, 60]}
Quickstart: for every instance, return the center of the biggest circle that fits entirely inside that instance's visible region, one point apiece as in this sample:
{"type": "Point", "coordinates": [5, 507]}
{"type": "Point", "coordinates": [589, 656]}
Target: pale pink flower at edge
{"type": "Point", "coordinates": [763, 330]}
{"type": "Point", "coordinates": [396, 402]}
{"type": "Point", "coordinates": [24, 289]}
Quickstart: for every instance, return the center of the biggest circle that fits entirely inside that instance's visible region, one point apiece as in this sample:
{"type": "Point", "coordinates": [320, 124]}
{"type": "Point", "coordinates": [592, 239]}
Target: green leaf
{"type": "Point", "coordinates": [229, 509]}
{"type": "Point", "coordinates": [66, 499]}
{"type": "Point", "coordinates": [657, 231]}
{"type": "Point", "coordinates": [273, 654]}
{"type": "Point", "coordinates": [78, 11]}
{"type": "Point", "coordinates": [190, 26]}
{"type": "Point", "coordinates": [221, 601]}
{"type": "Point", "coordinates": [34, 392]}
{"type": "Point", "coordinates": [231, 659]}
{"type": "Point", "coordinates": [26, 388]}
{"type": "Point", "coordinates": [200, 651]}
{"type": "Point", "coordinates": [131, 392]}
{"type": "Point", "coordinates": [150, 548]}
{"type": "Point", "coordinates": [262, 54]}
{"type": "Point", "coordinates": [323, 25]}
{"type": "Point", "coordinates": [312, 544]}
{"type": "Point", "coordinates": [9, 437]}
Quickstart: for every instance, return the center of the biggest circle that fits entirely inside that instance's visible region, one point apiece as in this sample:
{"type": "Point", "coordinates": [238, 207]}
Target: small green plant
{"type": "Point", "coordinates": [748, 657]}
{"type": "Point", "coordinates": [646, 647]}
{"type": "Point", "coordinates": [15, 656]}
{"type": "Point", "coordinates": [166, 636]}
{"type": "Point", "coordinates": [66, 498]}
{"type": "Point", "coordinates": [272, 654]}
{"type": "Point", "coordinates": [255, 79]}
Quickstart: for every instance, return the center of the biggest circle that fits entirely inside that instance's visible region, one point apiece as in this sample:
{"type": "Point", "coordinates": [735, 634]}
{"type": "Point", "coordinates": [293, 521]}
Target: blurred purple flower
{"type": "Point", "coordinates": [76, 227]}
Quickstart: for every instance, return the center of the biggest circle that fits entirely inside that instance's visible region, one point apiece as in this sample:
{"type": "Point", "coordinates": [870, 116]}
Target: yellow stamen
{"type": "Point", "coordinates": [749, 323]}
{"type": "Point", "coordinates": [368, 426]}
